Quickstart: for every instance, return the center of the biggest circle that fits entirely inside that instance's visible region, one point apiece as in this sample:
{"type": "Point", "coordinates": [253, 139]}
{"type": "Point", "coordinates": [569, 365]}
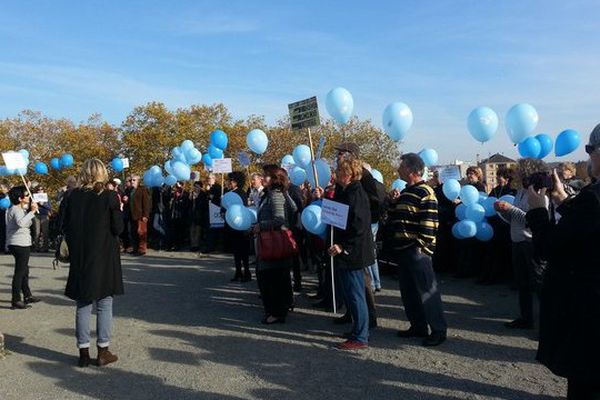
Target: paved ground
{"type": "Point", "coordinates": [183, 331]}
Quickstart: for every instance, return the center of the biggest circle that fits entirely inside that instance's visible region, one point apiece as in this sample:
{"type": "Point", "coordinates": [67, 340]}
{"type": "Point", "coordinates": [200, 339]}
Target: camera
{"type": "Point", "coordinates": [541, 180]}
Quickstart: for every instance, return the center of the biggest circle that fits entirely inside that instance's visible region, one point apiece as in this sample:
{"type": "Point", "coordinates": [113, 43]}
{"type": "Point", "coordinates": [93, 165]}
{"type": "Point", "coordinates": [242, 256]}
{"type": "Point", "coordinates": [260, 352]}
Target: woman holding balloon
{"type": "Point", "coordinates": [238, 242]}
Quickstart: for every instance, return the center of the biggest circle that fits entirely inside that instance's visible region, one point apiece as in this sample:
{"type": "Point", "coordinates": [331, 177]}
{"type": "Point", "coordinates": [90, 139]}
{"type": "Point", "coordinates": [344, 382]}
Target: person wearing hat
{"type": "Point", "coordinates": [569, 312]}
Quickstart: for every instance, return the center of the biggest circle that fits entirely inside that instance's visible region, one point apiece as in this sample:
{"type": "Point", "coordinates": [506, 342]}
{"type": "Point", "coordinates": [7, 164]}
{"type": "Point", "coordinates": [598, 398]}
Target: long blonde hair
{"type": "Point", "coordinates": [93, 175]}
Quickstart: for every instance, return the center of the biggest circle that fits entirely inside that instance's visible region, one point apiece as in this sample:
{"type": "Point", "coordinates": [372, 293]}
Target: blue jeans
{"type": "Point", "coordinates": [353, 285]}
{"type": "Point", "coordinates": [103, 322]}
{"type": "Point", "coordinates": [374, 268]}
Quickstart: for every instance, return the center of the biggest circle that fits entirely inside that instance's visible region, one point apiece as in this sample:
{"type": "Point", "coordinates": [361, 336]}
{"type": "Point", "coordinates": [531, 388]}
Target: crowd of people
{"type": "Point", "coordinates": [543, 244]}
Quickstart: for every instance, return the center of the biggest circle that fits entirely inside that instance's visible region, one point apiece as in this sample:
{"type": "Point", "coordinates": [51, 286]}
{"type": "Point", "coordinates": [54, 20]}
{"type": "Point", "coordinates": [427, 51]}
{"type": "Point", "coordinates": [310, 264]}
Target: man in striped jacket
{"type": "Point", "coordinates": [412, 225]}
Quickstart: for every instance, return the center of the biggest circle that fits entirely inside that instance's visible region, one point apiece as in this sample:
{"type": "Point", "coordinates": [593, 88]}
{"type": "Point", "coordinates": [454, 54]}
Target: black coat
{"type": "Point", "coordinates": [570, 301]}
{"type": "Point", "coordinates": [357, 240]}
{"type": "Point", "coordinates": [92, 224]}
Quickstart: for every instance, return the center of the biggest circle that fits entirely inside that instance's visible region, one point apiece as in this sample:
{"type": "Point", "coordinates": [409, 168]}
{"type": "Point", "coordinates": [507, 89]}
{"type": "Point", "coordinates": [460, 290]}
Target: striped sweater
{"type": "Point", "coordinates": [413, 219]}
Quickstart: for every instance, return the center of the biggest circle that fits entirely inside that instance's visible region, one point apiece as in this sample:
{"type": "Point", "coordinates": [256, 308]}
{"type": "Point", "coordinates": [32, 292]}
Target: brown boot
{"type": "Point", "coordinates": [84, 358]}
{"type": "Point", "coordinates": [105, 357]}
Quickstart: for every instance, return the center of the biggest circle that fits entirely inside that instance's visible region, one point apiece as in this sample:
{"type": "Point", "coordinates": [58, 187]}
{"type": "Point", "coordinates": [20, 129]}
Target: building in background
{"type": "Point", "coordinates": [490, 167]}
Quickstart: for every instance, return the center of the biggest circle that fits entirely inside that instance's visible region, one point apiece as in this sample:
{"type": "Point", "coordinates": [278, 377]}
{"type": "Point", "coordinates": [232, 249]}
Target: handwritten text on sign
{"type": "Point", "coordinates": [334, 214]}
{"type": "Point", "coordinates": [222, 165]}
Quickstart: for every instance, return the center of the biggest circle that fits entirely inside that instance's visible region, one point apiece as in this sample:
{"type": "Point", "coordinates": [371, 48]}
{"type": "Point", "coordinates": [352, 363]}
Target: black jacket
{"type": "Point", "coordinates": [357, 239]}
{"type": "Point", "coordinates": [569, 342]}
{"type": "Point", "coordinates": [92, 224]}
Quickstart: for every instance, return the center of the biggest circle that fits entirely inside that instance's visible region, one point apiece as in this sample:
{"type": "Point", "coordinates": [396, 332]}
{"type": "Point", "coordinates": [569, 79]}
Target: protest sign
{"type": "Point", "coordinates": [222, 166]}
{"type": "Point", "coordinates": [334, 213]}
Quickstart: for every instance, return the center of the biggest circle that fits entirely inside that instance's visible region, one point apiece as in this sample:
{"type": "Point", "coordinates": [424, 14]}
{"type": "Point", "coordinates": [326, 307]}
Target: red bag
{"type": "Point", "coordinates": [274, 245]}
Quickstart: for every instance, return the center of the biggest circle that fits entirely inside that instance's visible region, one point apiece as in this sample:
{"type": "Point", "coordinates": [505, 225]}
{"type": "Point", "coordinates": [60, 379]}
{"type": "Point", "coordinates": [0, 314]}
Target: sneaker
{"type": "Point", "coordinates": [435, 339]}
{"type": "Point", "coordinates": [351, 345]}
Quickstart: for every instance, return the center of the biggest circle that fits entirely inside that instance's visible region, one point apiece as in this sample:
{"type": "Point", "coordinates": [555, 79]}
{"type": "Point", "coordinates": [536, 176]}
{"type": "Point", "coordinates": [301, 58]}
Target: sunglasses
{"type": "Point", "coordinates": [590, 148]}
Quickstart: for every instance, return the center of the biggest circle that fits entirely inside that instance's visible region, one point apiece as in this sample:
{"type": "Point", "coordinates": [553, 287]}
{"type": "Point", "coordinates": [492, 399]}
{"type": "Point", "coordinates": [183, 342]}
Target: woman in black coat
{"type": "Point", "coordinates": [570, 300]}
{"type": "Point", "coordinates": [238, 242]}
{"type": "Point", "coordinates": [353, 251]}
{"type": "Point", "coordinates": [92, 224]}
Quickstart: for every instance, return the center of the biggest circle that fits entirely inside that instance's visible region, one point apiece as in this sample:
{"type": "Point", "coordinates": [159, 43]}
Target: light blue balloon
{"type": "Point", "coordinates": [429, 157]}
{"type": "Point", "coordinates": [219, 139]}
{"type": "Point", "coordinates": [66, 161]}
{"type": "Point", "coordinates": [311, 220]}
{"type": "Point", "coordinates": [460, 211]}
{"type": "Point", "coordinates": [482, 197]}
{"type": "Point", "coordinates": [509, 198]}
{"type": "Point", "coordinates": [546, 144]}
{"type": "Point", "coordinates": [399, 185]}
{"type": "Point", "coordinates": [214, 152]}
{"type": "Point", "coordinates": [397, 120]}
{"type": "Point", "coordinates": [148, 179]}
{"type": "Point", "coordinates": [485, 232]}
{"type": "Point", "coordinates": [339, 104]}
{"type": "Point", "coordinates": [181, 171]}
{"type": "Point", "coordinates": [323, 174]}
{"type": "Point", "coordinates": [176, 153]}
{"type": "Point", "coordinates": [451, 189]}
{"type": "Point", "coordinates": [530, 147]}
{"type": "Point", "coordinates": [567, 142]}
{"type": "Point", "coordinates": [207, 160]}
{"type": "Point", "coordinates": [193, 156]}
{"type": "Point", "coordinates": [469, 195]}
{"type": "Point", "coordinates": [40, 168]}
{"type": "Point", "coordinates": [5, 203]}
{"type": "Point", "coordinates": [169, 167]}
{"type": "Point", "coordinates": [467, 229]}
{"type": "Point", "coordinates": [288, 159]}
{"type": "Point", "coordinates": [155, 170]}
{"type": "Point", "coordinates": [229, 199]}
{"type": "Point", "coordinates": [377, 175]}
{"type": "Point", "coordinates": [455, 231]}
{"type": "Point", "coordinates": [170, 180]}
{"type": "Point", "coordinates": [186, 145]}
{"type": "Point", "coordinates": [238, 217]}
{"type": "Point", "coordinates": [117, 164]}
{"type": "Point", "coordinates": [25, 154]}
{"type": "Point", "coordinates": [488, 205]}
{"type": "Point", "coordinates": [297, 176]}
{"type": "Point", "coordinates": [254, 214]}
{"type": "Point", "coordinates": [301, 155]}
{"type": "Point", "coordinates": [257, 141]}
{"type": "Point", "coordinates": [55, 163]}
{"type": "Point", "coordinates": [3, 170]}
{"type": "Point", "coordinates": [521, 120]}
{"type": "Point", "coordinates": [482, 123]}
{"type": "Point", "coordinates": [158, 180]}
{"type": "Point", "coordinates": [475, 212]}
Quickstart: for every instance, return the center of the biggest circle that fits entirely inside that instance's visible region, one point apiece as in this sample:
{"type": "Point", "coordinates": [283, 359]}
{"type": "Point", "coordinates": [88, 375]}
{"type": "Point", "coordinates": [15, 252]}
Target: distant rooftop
{"type": "Point", "coordinates": [498, 158]}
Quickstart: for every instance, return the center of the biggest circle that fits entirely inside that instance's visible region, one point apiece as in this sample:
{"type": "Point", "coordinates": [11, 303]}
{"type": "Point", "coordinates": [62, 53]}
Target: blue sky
{"type": "Point", "coordinates": [443, 58]}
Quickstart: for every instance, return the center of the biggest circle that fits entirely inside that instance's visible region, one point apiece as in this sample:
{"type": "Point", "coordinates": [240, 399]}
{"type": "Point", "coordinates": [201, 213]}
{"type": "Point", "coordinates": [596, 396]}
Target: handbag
{"type": "Point", "coordinates": [275, 245]}
{"type": "Point", "coordinates": [62, 252]}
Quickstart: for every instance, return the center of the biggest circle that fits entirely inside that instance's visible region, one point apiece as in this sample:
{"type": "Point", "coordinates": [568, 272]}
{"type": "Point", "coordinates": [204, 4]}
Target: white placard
{"type": "Point", "coordinates": [14, 160]}
{"type": "Point", "coordinates": [222, 165]}
{"type": "Point", "coordinates": [40, 197]}
{"type": "Point", "coordinates": [125, 162]}
{"type": "Point", "coordinates": [334, 213]}
{"type": "Point", "coordinates": [214, 216]}
{"type": "Point", "coordinates": [449, 172]}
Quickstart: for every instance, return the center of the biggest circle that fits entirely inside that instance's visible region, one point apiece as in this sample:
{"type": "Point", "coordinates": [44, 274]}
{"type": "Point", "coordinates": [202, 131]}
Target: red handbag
{"type": "Point", "coordinates": [274, 245]}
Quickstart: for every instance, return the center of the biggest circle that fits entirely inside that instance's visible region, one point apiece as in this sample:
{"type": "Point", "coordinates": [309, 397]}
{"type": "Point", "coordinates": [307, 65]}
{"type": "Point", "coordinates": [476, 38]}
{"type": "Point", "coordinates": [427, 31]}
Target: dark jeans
{"type": "Point", "coordinates": [420, 291]}
{"type": "Point", "coordinates": [241, 253]}
{"type": "Point", "coordinates": [20, 282]}
{"type": "Point", "coordinates": [353, 286]}
{"type": "Point", "coordinates": [275, 288]}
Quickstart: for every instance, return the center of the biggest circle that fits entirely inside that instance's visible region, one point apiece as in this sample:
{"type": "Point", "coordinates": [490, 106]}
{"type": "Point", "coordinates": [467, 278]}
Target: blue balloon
{"type": "Point", "coordinates": [158, 180]}
{"type": "Point", "coordinates": [482, 197]}
{"type": "Point", "coordinates": [288, 159]}
{"type": "Point", "coordinates": [41, 168]}
{"type": "Point", "coordinates": [24, 153]}
{"type": "Point", "coordinates": [3, 170]}
{"type": "Point", "coordinates": [155, 170]}
{"type": "Point", "coordinates": [485, 232]}
{"type": "Point", "coordinates": [429, 157]}
{"type": "Point", "coordinates": [55, 163]}
{"type": "Point", "coordinates": [5, 203]}
{"type": "Point", "coordinates": [254, 214]}
{"type": "Point", "coordinates": [566, 142]}
{"type": "Point", "coordinates": [399, 185]}
{"type": "Point", "coordinates": [530, 147]}
{"type": "Point", "coordinates": [181, 171]}
{"type": "Point", "coordinates": [170, 180]}
{"type": "Point", "coordinates": [186, 145]}
{"type": "Point", "coordinates": [521, 120]}
{"type": "Point", "coordinates": [207, 160]}
{"type": "Point", "coordinates": [488, 205]}
{"type": "Point", "coordinates": [451, 189]}
{"type": "Point", "coordinates": [169, 167]}
{"type": "Point", "coordinates": [509, 198]}
{"type": "Point", "coordinates": [66, 161]}
{"type": "Point", "coordinates": [214, 152]}
{"type": "Point", "coordinates": [377, 175]}
{"type": "Point", "coordinates": [302, 156]}
{"type": "Point", "coordinates": [475, 212]}
{"type": "Point", "coordinates": [546, 144]}
{"type": "Point", "coordinates": [219, 139]}
{"type": "Point", "coordinates": [323, 174]}
{"type": "Point", "coordinates": [148, 179]}
{"type": "Point", "coordinates": [229, 199]}
{"type": "Point", "coordinates": [177, 153]}
{"type": "Point", "coordinates": [339, 104]}
{"type": "Point", "coordinates": [193, 156]}
{"type": "Point", "coordinates": [455, 231]}
{"type": "Point", "coordinates": [297, 176]}
{"type": "Point", "coordinates": [311, 220]}
{"type": "Point", "coordinates": [257, 141]}
{"type": "Point", "coordinates": [482, 123]}
{"type": "Point", "coordinates": [397, 120]}
{"type": "Point", "coordinates": [467, 229]}
{"type": "Point", "coordinates": [469, 195]}
{"type": "Point", "coordinates": [117, 164]}
{"type": "Point", "coordinates": [238, 217]}
{"type": "Point", "coordinates": [461, 211]}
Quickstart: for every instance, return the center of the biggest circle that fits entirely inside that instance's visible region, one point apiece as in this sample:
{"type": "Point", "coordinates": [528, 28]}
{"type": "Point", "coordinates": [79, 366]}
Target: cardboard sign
{"type": "Point", "coordinates": [214, 216]}
{"type": "Point", "coordinates": [304, 113]}
{"type": "Point", "coordinates": [14, 160]}
{"type": "Point", "coordinates": [334, 213]}
{"type": "Point", "coordinates": [244, 158]}
{"type": "Point", "coordinates": [125, 162]}
{"type": "Point", "coordinates": [40, 197]}
{"type": "Point", "coordinates": [222, 166]}
{"type": "Point", "coordinates": [449, 172]}
{"type": "Point", "coordinates": [320, 149]}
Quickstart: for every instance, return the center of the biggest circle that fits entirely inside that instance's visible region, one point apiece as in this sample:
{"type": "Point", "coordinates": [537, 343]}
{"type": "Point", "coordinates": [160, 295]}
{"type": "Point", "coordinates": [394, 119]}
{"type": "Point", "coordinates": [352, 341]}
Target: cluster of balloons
{"type": "Point", "coordinates": [300, 165]}
{"type": "Point", "coordinates": [541, 145]}
{"type": "Point", "coordinates": [257, 141]}
{"type": "Point", "coordinates": [339, 104]}
{"type": "Point", "coordinates": [237, 215]}
{"type": "Point", "coordinates": [218, 144]}
{"type": "Point", "coordinates": [64, 161]}
{"type": "Point", "coordinates": [153, 177]}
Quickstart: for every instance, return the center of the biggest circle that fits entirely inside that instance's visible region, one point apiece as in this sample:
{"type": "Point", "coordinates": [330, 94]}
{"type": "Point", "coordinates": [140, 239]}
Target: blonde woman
{"type": "Point", "coordinates": [92, 224]}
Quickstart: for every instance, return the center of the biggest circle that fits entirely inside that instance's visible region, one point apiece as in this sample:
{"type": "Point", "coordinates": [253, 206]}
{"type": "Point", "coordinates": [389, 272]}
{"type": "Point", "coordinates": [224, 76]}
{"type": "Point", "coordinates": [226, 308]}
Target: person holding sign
{"type": "Point", "coordinates": [412, 227]}
{"type": "Point", "coordinates": [18, 240]}
{"type": "Point", "coordinates": [353, 251]}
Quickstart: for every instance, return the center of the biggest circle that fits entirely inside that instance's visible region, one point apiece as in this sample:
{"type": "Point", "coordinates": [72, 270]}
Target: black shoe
{"type": "Point", "coordinates": [519, 323]}
{"type": "Point", "coordinates": [435, 339]}
{"type": "Point", "coordinates": [31, 299]}
{"type": "Point", "coordinates": [411, 332]}
{"type": "Point", "coordinates": [19, 305]}
{"type": "Point", "coordinates": [345, 319]}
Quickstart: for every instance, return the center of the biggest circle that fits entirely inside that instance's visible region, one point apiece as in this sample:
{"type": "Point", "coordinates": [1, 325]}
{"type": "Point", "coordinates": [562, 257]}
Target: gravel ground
{"type": "Point", "coordinates": [183, 331]}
